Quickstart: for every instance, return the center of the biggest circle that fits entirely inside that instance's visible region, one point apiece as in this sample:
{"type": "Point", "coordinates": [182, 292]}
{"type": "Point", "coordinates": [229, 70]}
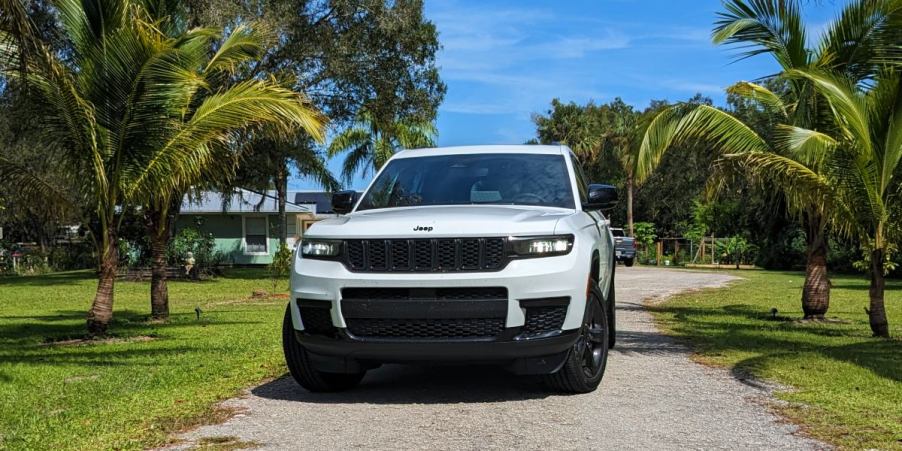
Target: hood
{"type": "Point", "coordinates": [442, 221]}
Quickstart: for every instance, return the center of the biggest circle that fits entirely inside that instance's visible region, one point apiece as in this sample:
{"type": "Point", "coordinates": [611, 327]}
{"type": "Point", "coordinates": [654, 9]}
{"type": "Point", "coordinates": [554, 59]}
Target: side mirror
{"type": "Point", "coordinates": [343, 201]}
{"type": "Point", "coordinates": [601, 197]}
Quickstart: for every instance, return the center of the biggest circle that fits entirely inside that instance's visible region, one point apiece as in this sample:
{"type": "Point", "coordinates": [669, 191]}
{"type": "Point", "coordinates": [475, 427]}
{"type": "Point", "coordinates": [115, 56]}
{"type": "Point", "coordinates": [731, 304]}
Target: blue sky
{"type": "Point", "coordinates": [505, 60]}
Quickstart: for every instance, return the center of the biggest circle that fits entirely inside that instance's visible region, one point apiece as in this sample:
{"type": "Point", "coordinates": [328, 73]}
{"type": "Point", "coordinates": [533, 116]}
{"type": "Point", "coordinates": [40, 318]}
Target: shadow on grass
{"type": "Point", "coordinates": [46, 280]}
{"type": "Point", "coordinates": [407, 384]}
{"type": "Point", "coordinates": [89, 355]}
{"type": "Point", "coordinates": [777, 339]}
{"type": "Point", "coordinates": [30, 331]}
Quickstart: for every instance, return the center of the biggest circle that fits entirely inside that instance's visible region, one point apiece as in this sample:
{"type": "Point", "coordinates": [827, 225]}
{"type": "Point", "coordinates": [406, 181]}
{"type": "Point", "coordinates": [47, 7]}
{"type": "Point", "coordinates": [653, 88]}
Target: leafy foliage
{"type": "Point", "coordinates": [372, 140]}
{"type": "Point", "coordinates": [280, 267]}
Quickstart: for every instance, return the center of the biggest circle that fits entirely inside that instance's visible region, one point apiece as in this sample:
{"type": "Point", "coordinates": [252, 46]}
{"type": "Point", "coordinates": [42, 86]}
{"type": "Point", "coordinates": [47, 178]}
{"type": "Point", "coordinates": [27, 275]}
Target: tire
{"type": "Point", "coordinates": [629, 262]}
{"type": "Point", "coordinates": [302, 369]}
{"type": "Point", "coordinates": [584, 367]}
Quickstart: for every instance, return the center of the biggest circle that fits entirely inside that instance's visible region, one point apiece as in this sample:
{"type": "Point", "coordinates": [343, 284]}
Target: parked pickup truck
{"type": "Point", "coordinates": [487, 254]}
{"type": "Point", "coordinates": [624, 247]}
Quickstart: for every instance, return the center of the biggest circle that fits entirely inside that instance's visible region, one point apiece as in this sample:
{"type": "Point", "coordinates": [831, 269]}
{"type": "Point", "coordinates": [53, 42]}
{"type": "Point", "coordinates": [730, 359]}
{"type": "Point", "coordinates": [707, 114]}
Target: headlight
{"type": "Point", "coordinates": [320, 248]}
{"type": "Point", "coordinates": [541, 246]}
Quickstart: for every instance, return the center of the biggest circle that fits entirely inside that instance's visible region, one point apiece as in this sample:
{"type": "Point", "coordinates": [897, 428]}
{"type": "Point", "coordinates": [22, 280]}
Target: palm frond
{"type": "Point", "coordinates": [247, 42]}
{"type": "Point", "coordinates": [811, 148]}
{"type": "Point", "coordinates": [348, 139]}
{"type": "Point", "coordinates": [360, 158]}
{"type": "Point", "coordinates": [312, 164]}
{"type": "Point", "coordinates": [718, 129]}
{"type": "Point", "coordinates": [34, 187]}
{"type": "Point", "coordinates": [771, 101]}
{"type": "Point", "coordinates": [764, 26]}
{"type": "Point", "coordinates": [864, 36]}
{"type": "Point", "coordinates": [801, 186]}
{"type": "Point", "coordinates": [850, 109]}
{"type": "Point", "coordinates": [216, 119]}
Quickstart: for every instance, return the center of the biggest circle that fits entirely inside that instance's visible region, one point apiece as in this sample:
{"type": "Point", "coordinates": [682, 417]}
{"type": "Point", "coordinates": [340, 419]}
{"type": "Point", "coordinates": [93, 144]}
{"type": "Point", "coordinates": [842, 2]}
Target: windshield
{"type": "Point", "coordinates": [492, 179]}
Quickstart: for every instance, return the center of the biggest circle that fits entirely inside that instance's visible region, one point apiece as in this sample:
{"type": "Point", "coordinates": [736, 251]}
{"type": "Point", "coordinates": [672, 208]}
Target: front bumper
{"type": "Point", "coordinates": [530, 285]}
{"type": "Point", "coordinates": [344, 353]}
{"type": "Point", "coordinates": [550, 277]}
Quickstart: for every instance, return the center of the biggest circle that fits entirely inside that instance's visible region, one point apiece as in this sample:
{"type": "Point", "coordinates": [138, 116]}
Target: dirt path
{"type": "Point", "coordinates": [652, 397]}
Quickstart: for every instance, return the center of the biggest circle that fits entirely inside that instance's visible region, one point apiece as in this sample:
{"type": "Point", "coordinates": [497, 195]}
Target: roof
{"type": "Point", "coordinates": [459, 150]}
{"type": "Point", "coordinates": [242, 201]}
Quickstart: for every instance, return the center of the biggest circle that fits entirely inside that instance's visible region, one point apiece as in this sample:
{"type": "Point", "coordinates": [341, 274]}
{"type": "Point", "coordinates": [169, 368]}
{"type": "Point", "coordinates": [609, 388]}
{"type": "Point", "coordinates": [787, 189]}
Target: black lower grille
{"type": "Point", "coordinates": [544, 319]}
{"type": "Point", "coordinates": [317, 320]}
{"type": "Point", "coordinates": [425, 255]}
{"type": "Point", "coordinates": [424, 313]}
{"type": "Point", "coordinates": [426, 329]}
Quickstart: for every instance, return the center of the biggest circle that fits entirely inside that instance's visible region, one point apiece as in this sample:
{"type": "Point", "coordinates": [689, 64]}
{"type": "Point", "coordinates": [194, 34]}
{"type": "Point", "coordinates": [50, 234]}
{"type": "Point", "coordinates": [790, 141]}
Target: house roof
{"type": "Point", "coordinates": [242, 201]}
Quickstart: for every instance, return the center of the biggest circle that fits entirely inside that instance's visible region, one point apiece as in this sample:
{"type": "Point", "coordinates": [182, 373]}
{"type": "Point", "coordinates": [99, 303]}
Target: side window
{"type": "Point", "coordinates": [581, 184]}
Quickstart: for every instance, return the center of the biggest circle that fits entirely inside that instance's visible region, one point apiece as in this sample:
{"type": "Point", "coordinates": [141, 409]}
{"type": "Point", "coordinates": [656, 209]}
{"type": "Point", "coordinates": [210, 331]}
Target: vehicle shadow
{"type": "Point", "coordinates": [408, 384]}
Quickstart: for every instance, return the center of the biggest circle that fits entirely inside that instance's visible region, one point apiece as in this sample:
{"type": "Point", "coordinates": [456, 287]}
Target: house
{"type": "Point", "coordinates": [245, 224]}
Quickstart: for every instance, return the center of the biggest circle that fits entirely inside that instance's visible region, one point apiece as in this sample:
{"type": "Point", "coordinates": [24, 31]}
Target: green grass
{"type": "Point", "coordinates": [846, 387]}
{"type": "Point", "coordinates": [131, 392]}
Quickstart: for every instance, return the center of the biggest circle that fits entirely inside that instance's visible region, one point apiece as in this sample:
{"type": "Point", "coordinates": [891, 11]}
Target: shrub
{"type": "Point", "coordinates": [280, 266]}
{"type": "Point", "coordinates": [201, 246]}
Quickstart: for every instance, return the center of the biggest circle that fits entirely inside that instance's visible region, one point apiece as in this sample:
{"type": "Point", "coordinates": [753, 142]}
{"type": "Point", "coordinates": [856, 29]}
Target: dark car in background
{"type": "Point", "coordinates": [624, 247]}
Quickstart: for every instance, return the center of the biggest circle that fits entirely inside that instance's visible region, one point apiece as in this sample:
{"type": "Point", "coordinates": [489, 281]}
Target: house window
{"type": "Point", "coordinates": [255, 239]}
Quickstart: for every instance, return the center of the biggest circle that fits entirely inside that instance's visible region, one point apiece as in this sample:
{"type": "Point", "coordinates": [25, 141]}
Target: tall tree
{"type": "Point", "coordinates": [856, 43]}
{"type": "Point", "coordinates": [373, 139]}
{"type": "Point", "coordinates": [345, 54]}
{"type": "Point", "coordinates": [133, 114]}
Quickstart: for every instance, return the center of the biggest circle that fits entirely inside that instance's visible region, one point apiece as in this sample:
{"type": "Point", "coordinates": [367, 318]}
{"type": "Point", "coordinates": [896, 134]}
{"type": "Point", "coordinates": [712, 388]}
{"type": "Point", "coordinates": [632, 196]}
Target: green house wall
{"type": "Point", "coordinates": [227, 233]}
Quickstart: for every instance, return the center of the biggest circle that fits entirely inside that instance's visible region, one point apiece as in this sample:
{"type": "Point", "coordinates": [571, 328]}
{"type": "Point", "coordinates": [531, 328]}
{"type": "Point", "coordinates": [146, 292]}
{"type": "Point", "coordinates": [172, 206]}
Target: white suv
{"type": "Point", "coordinates": [484, 254]}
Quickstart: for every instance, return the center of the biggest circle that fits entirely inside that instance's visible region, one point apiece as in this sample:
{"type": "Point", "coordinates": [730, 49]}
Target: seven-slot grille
{"type": "Point", "coordinates": [425, 255]}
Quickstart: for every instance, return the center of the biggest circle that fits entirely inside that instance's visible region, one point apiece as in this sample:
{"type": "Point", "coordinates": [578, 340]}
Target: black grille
{"type": "Point", "coordinates": [425, 313]}
{"type": "Point", "coordinates": [544, 319]}
{"type": "Point", "coordinates": [317, 320]}
{"type": "Point", "coordinates": [426, 329]}
{"type": "Point", "coordinates": [426, 255]}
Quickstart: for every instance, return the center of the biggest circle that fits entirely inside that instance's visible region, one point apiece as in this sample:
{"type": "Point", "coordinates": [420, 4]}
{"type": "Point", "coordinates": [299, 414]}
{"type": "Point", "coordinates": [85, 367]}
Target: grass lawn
{"type": "Point", "coordinates": [130, 392]}
{"type": "Point", "coordinates": [846, 385]}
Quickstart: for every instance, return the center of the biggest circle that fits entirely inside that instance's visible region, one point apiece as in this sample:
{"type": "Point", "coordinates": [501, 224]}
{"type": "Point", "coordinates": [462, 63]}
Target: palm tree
{"type": "Point", "coordinates": [865, 164]}
{"type": "Point", "coordinates": [135, 114]}
{"type": "Point", "coordinates": [372, 140]}
{"type": "Point", "coordinates": [854, 44]}
{"type": "Point", "coordinates": [273, 158]}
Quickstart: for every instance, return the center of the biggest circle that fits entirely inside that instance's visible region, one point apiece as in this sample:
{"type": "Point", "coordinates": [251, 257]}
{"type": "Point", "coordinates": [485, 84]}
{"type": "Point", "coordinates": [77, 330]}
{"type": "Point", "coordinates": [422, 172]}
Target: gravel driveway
{"type": "Point", "coordinates": [652, 397]}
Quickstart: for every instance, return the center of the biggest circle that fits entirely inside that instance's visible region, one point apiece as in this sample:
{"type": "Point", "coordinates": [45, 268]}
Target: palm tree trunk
{"type": "Point", "coordinates": [816, 290]}
{"type": "Point", "coordinates": [629, 204]}
{"type": "Point", "coordinates": [159, 288]}
{"type": "Point", "coordinates": [101, 312]}
{"type": "Point", "coordinates": [877, 310]}
{"type": "Point", "coordinates": [282, 194]}
{"type": "Point", "coordinates": [160, 222]}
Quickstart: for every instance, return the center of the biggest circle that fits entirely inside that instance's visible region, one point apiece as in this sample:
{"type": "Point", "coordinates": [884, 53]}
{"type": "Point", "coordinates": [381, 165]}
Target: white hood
{"type": "Point", "coordinates": [444, 221]}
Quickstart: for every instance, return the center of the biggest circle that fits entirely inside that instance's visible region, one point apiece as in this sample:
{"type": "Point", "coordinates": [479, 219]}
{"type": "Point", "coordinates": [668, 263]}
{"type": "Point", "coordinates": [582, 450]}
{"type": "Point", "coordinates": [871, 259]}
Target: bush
{"type": "Point", "coordinates": [202, 247]}
{"type": "Point", "coordinates": [280, 266]}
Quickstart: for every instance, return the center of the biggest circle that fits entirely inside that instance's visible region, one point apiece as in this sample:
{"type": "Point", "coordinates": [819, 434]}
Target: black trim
{"type": "Point", "coordinates": [525, 356]}
{"type": "Point", "coordinates": [545, 302]}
